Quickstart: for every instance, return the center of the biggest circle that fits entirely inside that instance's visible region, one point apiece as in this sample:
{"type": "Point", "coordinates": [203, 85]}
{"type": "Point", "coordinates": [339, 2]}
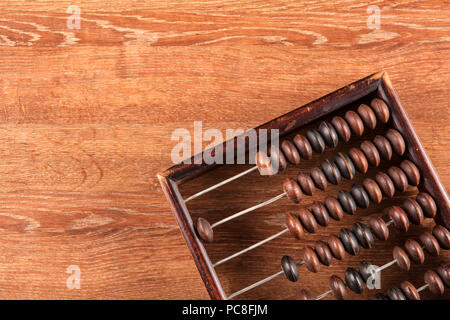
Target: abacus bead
{"type": "Point", "coordinates": [435, 284]}
{"type": "Point", "coordinates": [204, 230]}
{"type": "Point", "coordinates": [411, 171]}
{"type": "Point", "coordinates": [409, 291]}
{"type": "Point", "coordinates": [360, 195]}
{"type": "Point", "coordinates": [395, 293]}
{"type": "Point", "coordinates": [308, 220]}
{"type": "Point", "coordinates": [290, 268]}
{"type": "Point", "coordinates": [264, 164]}
{"type": "Point", "coordinates": [371, 153]}
{"type": "Point", "coordinates": [430, 243]}
{"type": "Point", "coordinates": [368, 116]}
{"type": "Point", "coordinates": [396, 140]}
{"type": "Point", "coordinates": [306, 184]}
{"type": "Point", "coordinates": [381, 109]}
{"type": "Point", "coordinates": [303, 146]}
{"type": "Point", "coordinates": [329, 134]}
{"type": "Point", "coordinates": [380, 296]}
{"type": "Point", "coordinates": [336, 247]}
{"type": "Point", "coordinates": [277, 157]}
{"type": "Point", "coordinates": [311, 260]}
{"type": "Point", "coordinates": [292, 190]}
{"type": "Point", "coordinates": [294, 225]}
{"type": "Point", "coordinates": [342, 128]}
{"type": "Point", "coordinates": [402, 258]}
{"type": "Point", "coordinates": [385, 183]}
{"type": "Point", "coordinates": [347, 201]}
{"type": "Point", "coordinates": [305, 295]}
{"type": "Point", "coordinates": [363, 234]}
{"type": "Point", "coordinates": [355, 122]}
{"type": "Point", "coordinates": [379, 228]}
{"type": "Point", "coordinates": [427, 203]}
{"type": "Point", "coordinates": [414, 211]}
{"type": "Point", "coordinates": [442, 235]}
{"type": "Point", "coordinates": [319, 178]}
{"type": "Point", "coordinates": [401, 221]}
{"type": "Point", "coordinates": [373, 190]}
{"type": "Point", "coordinates": [399, 178]}
{"type": "Point", "coordinates": [359, 160]}
{"type": "Point", "coordinates": [334, 208]}
{"type": "Point", "coordinates": [338, 288]}
{"type": "Point", "coordinates": [365, 270]}
{"type": "Point", "coordinates": [414, 251]}
{"type": "Point", "coordinates": [383, 146]}
{"type": "Point", "coordinates": [316, 140]}
{"type": "Point", "coordinates": [290, 152]}
{"type": "Point", "coordinates": [444, 272]}
{"type": "Point", "coordinates": [320, 212]}
{"type": "Point", "coordinates": [345, 165]}
{"type": "Point", "coordinates": [324, 253]}
{"type": "Point", "coordinates": [349, 241]}
{"type": "Point", "coordinates": [354, 280]}
{"type": "Point", "coordinates": [331, 171]}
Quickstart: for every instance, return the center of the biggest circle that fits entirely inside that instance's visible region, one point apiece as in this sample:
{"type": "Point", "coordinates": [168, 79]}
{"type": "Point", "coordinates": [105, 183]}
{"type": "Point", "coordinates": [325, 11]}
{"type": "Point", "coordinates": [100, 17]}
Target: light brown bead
{"type": "Point", "coordinates": [442, 235]}
{"type": "Point", "coordinates": [319, 178]}
{"type": "Point", "coordinates": [294, 225]}
{"type": "Point", "coordinates": [306, 184]}
{"type": "Point", "coordinates": [444, 272]}
{"type": "Point", "coordinates": [320, 212]}
{"type": "Point", "coordinates": [385, 183]}
{"type": "Point", "coordinates": [334, 208]}
{"type": "Point", "coordinates": [396, 140]}
{"type": "Point", "coordinates": [292, 190]}
{"type": "Point", "coordinates": [368, 116]}
{"type": "Point", "coordinates": [401, 221]}
{"type": "Point", "coordinates": [303, 146]}
{"type": "Point", "coordinates": [411, 172]}
{"type": "Point", "coordinates": [373, 190]}
{"type": "Point", "coordinates": [371, 153]}
{"type": "Point", "coordinates": [305, 295]}
{"type": "Point", "coordinates": [323, 253]}
{"type": "Point", "coordinates": [355, 122]}
{"type": "Point", "coordinates": [359, 159]}
{"type": "Point", "coordinates": [427, 203]}
{"type": "Point", "coordinates": [264, 164]}
{"type": "Point", "coordinates": [402, 258]}
{"type": "Point", "coordinates": [414, 211]}
{"type": "Point", "coordinates": [204, 230]}
{"type": "Point", "coordinates": [415, 251]}
{"type": "Point", "coordinates": [290, 152]}
{"type": "Point", "coordinates": [384, 147]}
{"type": "Point", "coordinates": [435, 284]}
{"type": "Point", "coordinates": [379, 228]}
{"type": "Point", "coordinates": [409, 291]}
{"type": "Point", "coordinates": [310, 258]}
{"type": "Point", "coordinates": [308, 220]}
{"type": "Point", "coordinates": [336, 246]}
{"type": "Point", "coordinates": [381, 109]}
{"type": "Point", "coordinates": [338, 288]}
{"type": "Point", "coordinates": [399, 178]}
{"type": "Point", "coordinates": [430, 243]}
{"type": "Point", "coordinates": [342, 128]}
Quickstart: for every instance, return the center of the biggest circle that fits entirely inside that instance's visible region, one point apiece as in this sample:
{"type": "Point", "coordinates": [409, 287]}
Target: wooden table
{"type": "Point", "coordinates": [87, 114]}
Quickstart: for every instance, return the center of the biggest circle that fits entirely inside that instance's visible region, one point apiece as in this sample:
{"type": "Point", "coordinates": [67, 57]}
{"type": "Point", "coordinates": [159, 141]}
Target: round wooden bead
{"type": "Point", "coordinates": [435, 284]}
{"type": "Point", "coordinates": [320, 212]}
{"type": "Point", "coordinates": [401, 221]}
{"type": "Point", "coordinates": [308, 220]}
{"type": "Point", "coordinates": [316, 140]}
{"type": "Point", "coordinates": [380, 296]}
{"type": "Point", "coordinates": [338, 288]}
{"type": "Point", "coordinates": [409, 291]}
{"type": "Point", "coordinates": [310, 258]}
{"type": "Point", "coordinates": [379, 228]}
{"type": "Point", "coordinates": [360, 195]}
{"type": "Point", "coordinates": [414, 211]}
{"type": "Point", "coordinates": [411, 171]}
{"type": "Point", "coordinates": [329, 134]}
{"type": "Point", "coordinates": [290, 268]}
{"type": "Point", "coordinates": [427, 203]}
{"type": "Point", "coordinates": [345, 165]}
{"type": "Point", "coordinates": [383, 146]}
{"type": "Point", "coordinates": [290, 152]}
{"type": "Point", "coordinates": [349, 241]}
{"type": "Point", "coordinates": [306, 184]}
{"type": "Point", "coordinates": [277, 158]}
{"type": "Point", "coordinates": [402, 258]}
{"type": "Point", "coordinates": [331, 171]}
{"type": "Point", "coordinates": [354, 280]}
{"type": "Point", "coordinates": [359, 160]}
{"type": "Point", "coordinates": [371, 153]}
{"type": "Point", "coordinates": [365, 270]}
{"type": "Point", "coordinates": [323, 253]}
{"type": "Point", "coordinates": [430, 243]}
{"type": "Point", "coordinates": [442, 235]}
{"type": "Point", "coordinates": [336, 247]}
{"type": "Point", "coordinates": [444, 272]}
{"type": "Point", "coordinates": [399, 178]}
{"type": "Point", "coordinates": [303, 146]}
{"type": "Point", "coordinates": [334, 208]}
{"type": "Point", "coordinates": [264, 164]}
{"type": "Point", "coordinates": [381, 109]}
{"type": "Point", "coordinates": [342, 128]}
{"type": "Point", "coordinates": [319, 178]}
{"type": "Point", "coordinates": [414, 251]}
{"type": "Point", "coordinates": [373, 190]}
{"type": "Point", "coordinates": [305, 295]}
{"type": "Point", "coordinates": [294, 225]}
{"type": "Point", "coordinates": [292, 190]}
{"type": "Point", "coordinates": [368, 116]}
{"type": "Point", "coordinates": [355, 122]}
{"type": "Point", "coordinates": [396, 140]}
{"type": "Point", "coordinates": [363, 234]}
{"type": "Point", "coordinates": [385, 183]}
{"type": "Point", "coordinates": [204, 230]}
{"type": "Point", "coordinates": [395, 293]}
{"type": "Point", "coordinates": [347, 202]}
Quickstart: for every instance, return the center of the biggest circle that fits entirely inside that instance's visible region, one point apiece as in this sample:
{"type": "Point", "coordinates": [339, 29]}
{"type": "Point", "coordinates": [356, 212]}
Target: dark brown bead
{"type": "Point", "coordinates": [331, 171]}
{"type": "Point", "coordinates": [355, 122]}
{"type": "Point", "coordinates": [306, 184]}
{"type": "Point", "coordinates": [359, 160]}
{"type": "Point", "coordinates": [360, 196]}
{"type": "Point", "coordinates": [384, 147]}
{"type": "Point", "coordinates": [264, 164]}
{"type": "Point", "coordinates": [368, 116]}
{"type": "Point", "coordinates": [373, 190]}
{"type": "Point", "coordinates": [329, 134]}
{"type": "Point", "coordinates": [365, 270]}
{"type": "Point", "coordinates": [338, 288]}
{"type": "Point", "coordinates": [292, 190]}
{"type": "Point", "coordinates": [427, 203]}
{"type": "Point", "coordinates": [311, 260]}
{"type": "Point", "coordinates": [414, 211]}
{"type": "Point", "coordinates": [319, 178]}
{"type": "Point", "coordinates": [363, 234]}
{"type": "Point", "coordinates": [385, 183]}
{"type": "Point", "coordinates": [336, 247]}
{"type": "Point", "coordinates": [395, 293]}
{"type": "Point", "coordinates": [303, 146]}
{"type": "Point", "coordinates": [430, 243]}
{"type": "Point", "coordinates": [414, 251]}
{"type": "Point", "coordinates": [320, 212]}
{"type": "Point", "coordinates": [371, 153]}
{"type": "Point", "coordinates": [294, 225]}
{"type": "Point", "coordinates": [290, 152]}
{"type": "Point", "coordinates": [316, 140]}
{"type": "Point", "coordinates": [442, 235]}
{"type": "Point", "coordinates": [409, 291]}
{"type": "Point", "coordinates": [435, 284]}
{"type": "Point", "coordinates": [289, 268]}
{"type": "Point", "coordinates": [402, 258]}
{"type": "Point", "coordinates": [308, 220]}
{"type": "Point", "coordinates": [324, 253]}
{"type": "Point", "coordinates": [380, 296]}
{"type": "Point", "coordinates": [381, 109]}
{"type": "Point", "coordinates": [396, 140]}
{"type": "Point", "coordinates": [305, 295]}
{"type": "Point", "coordinates": [349, 241]}
{"type": "Point", "coordinates": [444, 272]}
{"type": "Point", "coordinates": [411, 171]}
{"type": "Point", "coordinates": [354, 280]}
{"type": "Point", "coordinates": [379, 228]}
{"type": "Point", "coordinates": [204, 230]}
{"type": "Point", "coordinates": [342, 128]}
{"type": "Point", "coordinates": [399, 178]}
{"type": "Point", "coordinates": [347, 202]}
{"type": "Point", "coordinates": [345, 165]}
{"type": "Point", "coordinates": [334, 208]}
{"type": "Point", "coordinates": [401, 221]}
{"type": "Point", "coordinates": [277, 158]}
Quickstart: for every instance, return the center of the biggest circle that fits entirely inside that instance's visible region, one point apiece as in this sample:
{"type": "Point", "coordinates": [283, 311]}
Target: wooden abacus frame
{"type": "Point", "coordinates": [378, 83]}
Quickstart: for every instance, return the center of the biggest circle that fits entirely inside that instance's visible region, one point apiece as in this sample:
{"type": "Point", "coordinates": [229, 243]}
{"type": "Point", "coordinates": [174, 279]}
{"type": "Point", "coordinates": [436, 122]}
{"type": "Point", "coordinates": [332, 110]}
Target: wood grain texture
{"type": "Point", "coordinates": [86, 118]}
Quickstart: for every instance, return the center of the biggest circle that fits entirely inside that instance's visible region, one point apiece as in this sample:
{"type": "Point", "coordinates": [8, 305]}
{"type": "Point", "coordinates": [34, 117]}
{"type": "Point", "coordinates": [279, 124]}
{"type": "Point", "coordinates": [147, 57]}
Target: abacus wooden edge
{"type": "Point", "coordinates": [378, 82]}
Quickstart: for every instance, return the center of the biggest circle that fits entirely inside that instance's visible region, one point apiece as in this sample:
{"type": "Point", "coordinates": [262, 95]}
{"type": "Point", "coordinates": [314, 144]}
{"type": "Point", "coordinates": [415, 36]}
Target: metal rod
{"type": "Point", "coordinates": [323, 295]}
{"type": "Point", "coordinates": [423, 287]}
{"type": "Point", "coordinates": [387, 265]}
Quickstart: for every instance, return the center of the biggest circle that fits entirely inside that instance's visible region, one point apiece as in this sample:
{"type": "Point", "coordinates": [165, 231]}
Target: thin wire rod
{"type": "Point", "coordinates": [387, 265]}
{"type": "Point", "coordinates": [423, 287]}
{"type": "Point", "coordinates": [323, 295]}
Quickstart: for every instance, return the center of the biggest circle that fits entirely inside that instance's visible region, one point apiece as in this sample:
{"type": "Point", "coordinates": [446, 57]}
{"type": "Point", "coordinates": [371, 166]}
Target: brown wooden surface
{"type": "Point", "coordinates": [86, 117]}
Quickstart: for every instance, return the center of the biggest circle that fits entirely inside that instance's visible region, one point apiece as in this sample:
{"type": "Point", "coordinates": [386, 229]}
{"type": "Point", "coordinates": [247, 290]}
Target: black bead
{"type": "Point", "coordinates": [316, 140]}
{"type": "Point", "coordinates": [290, 268]}
{"type": "Point", "coordinates": [349, 241]}
{"type": "Point", "coordinates": [363, 234]}
{"type": "Point", "coordinates": [380, 296]}
{"type": "Point", "coordinates": [365, 270]}
{"type": "Point", "coordinates": [360, 195]}
{"type": "Point", "coordinates": [354, 280]}
{"type": "Point", "coordinates": [395, 293]}
{"type": "Point", "coordinates": [331, 171]}
{"type": "Point", "coordinates": [345, 165]}
{"type": "Point", "coordinates": [329, 134]}
{"type": "Point", "coordinates": [347, 202]}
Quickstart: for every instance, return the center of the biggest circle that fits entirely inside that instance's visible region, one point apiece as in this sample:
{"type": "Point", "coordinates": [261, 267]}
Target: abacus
{"type": "Point", "coordinates": [367, 106]}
